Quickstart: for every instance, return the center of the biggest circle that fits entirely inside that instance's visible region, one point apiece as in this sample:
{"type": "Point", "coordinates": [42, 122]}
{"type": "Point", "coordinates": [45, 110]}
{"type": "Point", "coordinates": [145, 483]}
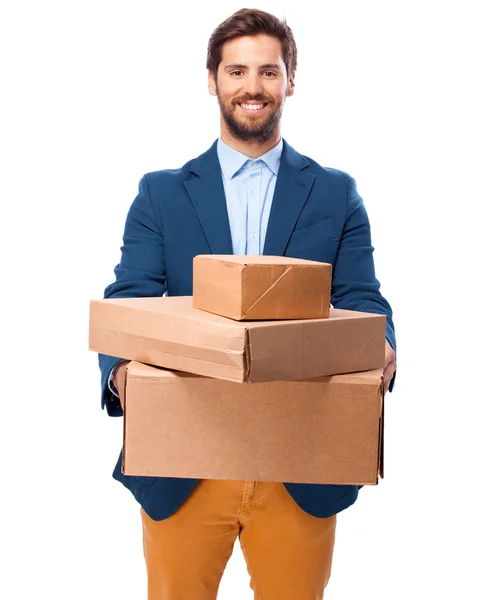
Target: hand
{"type": "Point", "coordinates": [119, 382]}
{"type": "Point", "coordinates": [389, 366]}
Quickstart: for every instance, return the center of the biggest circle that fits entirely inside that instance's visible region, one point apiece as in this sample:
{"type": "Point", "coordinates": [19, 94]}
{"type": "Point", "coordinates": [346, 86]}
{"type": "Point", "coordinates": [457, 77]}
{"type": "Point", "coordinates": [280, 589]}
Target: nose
{"type": "Point", "coordinates": [252, 84]}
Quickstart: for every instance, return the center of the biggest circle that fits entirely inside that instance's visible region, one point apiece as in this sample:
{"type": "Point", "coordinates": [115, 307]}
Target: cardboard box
{"type": "Point", "coordinates": [327, 430]}
{"type": "Point", "coordinates": [168, 332]}
{"type": "Point", "coordinates": [261, 287]}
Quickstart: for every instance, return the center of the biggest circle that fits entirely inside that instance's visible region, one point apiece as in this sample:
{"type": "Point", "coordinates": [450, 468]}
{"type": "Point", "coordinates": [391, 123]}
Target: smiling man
{"type": "Point", "coordinates": [251, 93]}
{"type": "Point", "coordinates": [249, 193]}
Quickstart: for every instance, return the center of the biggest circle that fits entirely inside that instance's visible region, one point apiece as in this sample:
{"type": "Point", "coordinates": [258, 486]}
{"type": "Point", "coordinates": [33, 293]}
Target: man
{"type": "Point", "coordinates": [250, 193]}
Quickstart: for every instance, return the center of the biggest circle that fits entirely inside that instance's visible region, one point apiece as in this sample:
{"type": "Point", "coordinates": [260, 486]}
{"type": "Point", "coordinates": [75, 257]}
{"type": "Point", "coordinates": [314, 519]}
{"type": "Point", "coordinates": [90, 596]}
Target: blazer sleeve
{"type": "Point", "coordinates": [354, 283]}
{"type": "Point", "coordinates": [140, 273]}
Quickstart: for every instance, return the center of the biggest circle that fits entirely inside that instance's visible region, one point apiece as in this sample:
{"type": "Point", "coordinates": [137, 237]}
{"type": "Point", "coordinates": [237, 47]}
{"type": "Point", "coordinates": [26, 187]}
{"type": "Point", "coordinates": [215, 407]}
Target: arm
{"type": "Point", "coordinates": [354, 284]}
{"type": "Point", "coordinates": [140, 273]}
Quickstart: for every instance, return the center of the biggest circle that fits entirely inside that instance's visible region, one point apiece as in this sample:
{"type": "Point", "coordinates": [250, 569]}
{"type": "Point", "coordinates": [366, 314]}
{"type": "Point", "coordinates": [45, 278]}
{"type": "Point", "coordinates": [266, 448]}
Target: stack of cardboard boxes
{"type": "Point", "coordinates": [260, 379]}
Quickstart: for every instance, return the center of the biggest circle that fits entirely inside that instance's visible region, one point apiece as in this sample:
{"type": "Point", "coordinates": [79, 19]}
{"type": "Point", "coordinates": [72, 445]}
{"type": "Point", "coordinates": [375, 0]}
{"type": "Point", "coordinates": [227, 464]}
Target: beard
{"type": "Point", "coordinates": [251, 128]}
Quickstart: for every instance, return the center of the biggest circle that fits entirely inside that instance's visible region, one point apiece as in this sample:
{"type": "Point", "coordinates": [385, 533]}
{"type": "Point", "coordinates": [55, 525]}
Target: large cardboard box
{"type": "Point", "coordinates": [327, 430]}
{"type": "Point", "coordinates": [168, 332]}
{"type": "Point", "coordinates": [261, 287]}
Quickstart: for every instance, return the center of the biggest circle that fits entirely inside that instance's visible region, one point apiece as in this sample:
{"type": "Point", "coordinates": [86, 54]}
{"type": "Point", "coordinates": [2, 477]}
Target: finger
{"type": "Point", "coordinates": [387, 383]}
{"type": "Point", "coordinates": [390, 362]}
{"type": "Point", "coordinates": [388, 372]}
{"type": "Point", "coordinates": [389, 358]}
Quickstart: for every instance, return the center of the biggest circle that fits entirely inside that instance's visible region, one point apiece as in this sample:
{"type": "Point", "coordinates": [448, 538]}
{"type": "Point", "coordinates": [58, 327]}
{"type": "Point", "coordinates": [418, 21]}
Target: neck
{"type": "Point", "coordinates": [250, 149]}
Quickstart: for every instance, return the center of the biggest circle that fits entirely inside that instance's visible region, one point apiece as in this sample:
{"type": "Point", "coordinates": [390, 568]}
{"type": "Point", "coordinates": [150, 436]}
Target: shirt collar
{"type": "Point", "coordinates": [232, 161]}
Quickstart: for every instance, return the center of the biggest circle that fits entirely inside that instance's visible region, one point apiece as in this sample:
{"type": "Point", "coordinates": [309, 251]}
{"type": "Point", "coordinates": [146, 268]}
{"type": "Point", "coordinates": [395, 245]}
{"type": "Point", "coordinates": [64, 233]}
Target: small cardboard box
{"type": "Point", "coordinates": [168, 332]}
{"type": "Point", "coordinates": [261, 287]}
{"type": "Point", "coordinates": [327, 430]}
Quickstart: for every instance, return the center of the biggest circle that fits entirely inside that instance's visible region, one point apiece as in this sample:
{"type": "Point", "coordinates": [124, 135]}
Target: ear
{"type": "Point", "coordinates": [290, 88]}
{"type": "Point", "coordinates": [212, 84]}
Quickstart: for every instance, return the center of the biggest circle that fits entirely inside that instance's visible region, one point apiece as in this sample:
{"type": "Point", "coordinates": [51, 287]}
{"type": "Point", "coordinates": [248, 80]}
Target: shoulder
{"type": "Point", "coordinates": [328, 173]}
{"type": "Point", "coordinates": [331, 183]}
{"type": "Point", "coordinates": [191, 169]}
{"type": "Point", "coordinates": [334, 182]}
{"type": "Point", "coordinates": [165, 176]}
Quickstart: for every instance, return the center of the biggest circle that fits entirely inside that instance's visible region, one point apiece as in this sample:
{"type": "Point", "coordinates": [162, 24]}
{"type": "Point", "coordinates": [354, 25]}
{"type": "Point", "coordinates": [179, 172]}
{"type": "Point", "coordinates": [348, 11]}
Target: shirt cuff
{"type": "Point", "coordinates": [111, 385]}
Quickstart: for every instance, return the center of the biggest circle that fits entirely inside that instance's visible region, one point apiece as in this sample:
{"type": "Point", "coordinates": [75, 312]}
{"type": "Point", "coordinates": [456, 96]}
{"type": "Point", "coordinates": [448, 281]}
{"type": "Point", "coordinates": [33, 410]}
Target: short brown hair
{"type": "Point", "coordinates": [250, 21]}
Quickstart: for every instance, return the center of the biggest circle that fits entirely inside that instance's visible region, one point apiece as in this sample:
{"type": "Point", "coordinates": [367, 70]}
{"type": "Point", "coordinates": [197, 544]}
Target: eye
{"type": "Point", "coordinates": [270, 73]}
{"type": "Point", "coordinates": [233, 72]}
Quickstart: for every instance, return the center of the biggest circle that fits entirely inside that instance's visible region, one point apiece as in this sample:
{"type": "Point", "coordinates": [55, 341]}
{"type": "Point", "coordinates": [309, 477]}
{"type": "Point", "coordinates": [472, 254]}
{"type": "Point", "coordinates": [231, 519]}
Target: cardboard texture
{"type": "Point", "coordinates": [168, 332]}
{"type": "Point", "coordinates": [327, 430]}
{"type": "Point", "coordinates": [261, 287]}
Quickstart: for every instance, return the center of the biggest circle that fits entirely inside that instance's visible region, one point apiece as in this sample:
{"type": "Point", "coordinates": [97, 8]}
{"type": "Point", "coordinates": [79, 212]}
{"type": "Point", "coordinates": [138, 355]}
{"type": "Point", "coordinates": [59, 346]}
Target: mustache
{"type": "Point", "coordinates": [255, 98]}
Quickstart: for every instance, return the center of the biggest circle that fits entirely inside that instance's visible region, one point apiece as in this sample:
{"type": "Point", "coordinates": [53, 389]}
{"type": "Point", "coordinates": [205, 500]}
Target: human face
{"type": "Point", "coordinates": [251, 85]}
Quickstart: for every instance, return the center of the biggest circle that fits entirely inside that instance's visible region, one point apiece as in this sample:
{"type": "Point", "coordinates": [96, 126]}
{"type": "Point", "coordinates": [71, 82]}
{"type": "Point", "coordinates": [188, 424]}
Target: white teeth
{"type": "Point", "coordinates": [253, 106]}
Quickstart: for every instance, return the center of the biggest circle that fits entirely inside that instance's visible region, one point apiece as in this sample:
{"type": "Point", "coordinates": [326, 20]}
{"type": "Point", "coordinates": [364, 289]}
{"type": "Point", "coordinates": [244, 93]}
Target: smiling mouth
{"type": "Point", "coordinates": [253, 107]}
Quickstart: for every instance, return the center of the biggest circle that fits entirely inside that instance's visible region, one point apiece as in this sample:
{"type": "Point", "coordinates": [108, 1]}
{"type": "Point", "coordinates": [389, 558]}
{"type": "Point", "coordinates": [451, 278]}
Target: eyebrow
{"type": "Point", "coordinates": [265, 66]}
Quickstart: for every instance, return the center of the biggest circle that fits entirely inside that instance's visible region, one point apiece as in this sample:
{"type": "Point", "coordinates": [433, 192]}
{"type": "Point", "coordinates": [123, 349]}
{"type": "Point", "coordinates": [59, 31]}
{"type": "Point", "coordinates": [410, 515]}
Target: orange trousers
{"type": "Point", "coordinates": [288, 552]}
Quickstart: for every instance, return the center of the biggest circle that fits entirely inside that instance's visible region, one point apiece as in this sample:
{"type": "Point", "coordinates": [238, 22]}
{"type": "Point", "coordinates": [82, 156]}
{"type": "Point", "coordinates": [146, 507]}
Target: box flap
{"type": "Point", "coordinates": [280, 289]}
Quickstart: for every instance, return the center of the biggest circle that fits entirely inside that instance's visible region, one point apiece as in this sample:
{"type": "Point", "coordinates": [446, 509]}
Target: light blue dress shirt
{"type": "Point", "coordinates": [249, 187]}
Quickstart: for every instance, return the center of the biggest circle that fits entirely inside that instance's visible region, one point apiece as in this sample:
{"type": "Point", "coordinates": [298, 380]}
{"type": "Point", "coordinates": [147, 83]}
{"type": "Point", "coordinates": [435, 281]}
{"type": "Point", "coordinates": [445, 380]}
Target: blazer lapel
{"type": "Point", "coordinates": [290, 194]}
{"type": "Point", "coordinates": [208, 196]}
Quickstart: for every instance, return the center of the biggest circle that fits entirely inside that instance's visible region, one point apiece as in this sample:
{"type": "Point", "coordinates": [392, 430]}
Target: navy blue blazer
{"type": "Point", "coordinates": [316, 214]}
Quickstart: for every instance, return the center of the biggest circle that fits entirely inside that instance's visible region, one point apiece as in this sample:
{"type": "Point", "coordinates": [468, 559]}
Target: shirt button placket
{"type": "Point", "coordinates": [254, 211]}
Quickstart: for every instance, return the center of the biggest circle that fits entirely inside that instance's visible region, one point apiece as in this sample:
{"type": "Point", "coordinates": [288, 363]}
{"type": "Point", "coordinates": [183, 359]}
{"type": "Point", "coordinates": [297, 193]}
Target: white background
{"type": "Point", "coordinates": [95, 94]}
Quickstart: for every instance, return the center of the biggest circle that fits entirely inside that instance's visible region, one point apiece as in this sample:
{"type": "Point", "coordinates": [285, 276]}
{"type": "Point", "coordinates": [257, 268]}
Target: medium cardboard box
{"type": "Point", "coordinates": [327, 430]}
{"type": "Point", "coordinates": [168, 332]}
{"type": "Point", "coordinates": [261, 287]}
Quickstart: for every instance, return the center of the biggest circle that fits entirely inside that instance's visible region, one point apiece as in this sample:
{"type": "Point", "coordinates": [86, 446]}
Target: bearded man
{"type": "Point", "coordinates": [249, 193]}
